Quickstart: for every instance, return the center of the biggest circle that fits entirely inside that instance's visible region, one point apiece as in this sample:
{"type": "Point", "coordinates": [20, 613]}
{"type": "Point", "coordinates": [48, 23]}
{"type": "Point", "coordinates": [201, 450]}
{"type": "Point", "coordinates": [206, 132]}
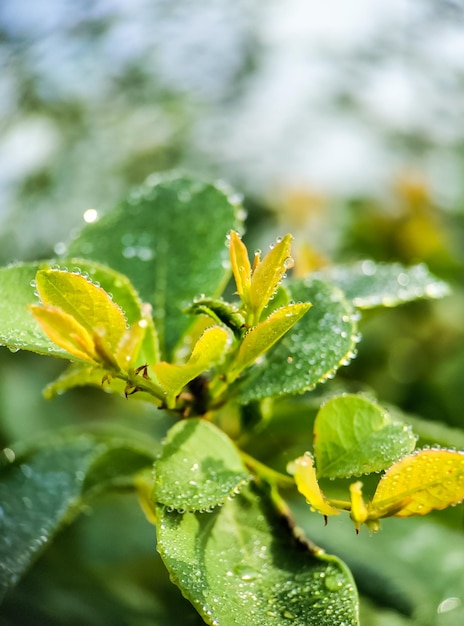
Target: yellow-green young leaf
{"type": "Point", "coordinates": [65, 331]}
{"type": "Point", "coordinates": [87, 303]}
{"type": "Point", "coordinates": [421, 482]}
{"type": "Point", "coordinates": [359, 512]}
{"type": "Point", "coordinates": [263, 336]}
{"type": "Point", "coordinates": [240, 266]}
{"type": "Point", "coordinates": [268, 274]}
{"type": "Point", "coordinates": [139, 335]}
{"type": "Point", "coordinates": [208, 352]}
{"type": "Point", "coordinates": [306, 482]}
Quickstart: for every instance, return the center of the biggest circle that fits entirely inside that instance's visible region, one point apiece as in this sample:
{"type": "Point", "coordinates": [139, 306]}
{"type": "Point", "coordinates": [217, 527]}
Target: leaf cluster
{"type": "Point", "coordinates": [135, 305]}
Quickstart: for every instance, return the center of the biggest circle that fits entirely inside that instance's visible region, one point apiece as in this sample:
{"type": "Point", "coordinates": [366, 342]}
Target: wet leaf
{"type": "Point", "coordinates": [354, 435]}
{"type": "Point", "coordinates": [221, 312]}
{"type": "Point", "coordinates": [425, 481]}
{"type": "Point", "coordinates": [65, 332]}
{"type": "Point", "coordinates": [43, 487]}
{"type": "Point", "coordinates": [369, 284]}
{"type": "Point", "coordinates": [208, 352]}
{"type": "Point", "coordinates": [242, 565]}
{"type": "Point", "coordinates": [87, 303]}
{"type": "Point", "coordinates": [169, 238]}
{"type": "Point", "coordinates": [263, 336]}
{"type": "Point", "coordinates": [19, 329]}
{"type": "Point", "coordinates": [306, 481]}
{"type": "Point", "coordinates": [268, 274]}
{"type": "Point", "coordinates": [322, 341]}
{"type": "Point", "coordinates": [241, 267]}
{"type": "Point", "coordinates": [199, 467]}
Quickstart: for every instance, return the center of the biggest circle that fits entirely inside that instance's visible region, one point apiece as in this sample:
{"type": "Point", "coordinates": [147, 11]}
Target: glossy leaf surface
{"type": "Point", "coordinates": [304, 474]}
{"type": "Point", "coordinates": [322, 341]}
{"type": "Point", "coordinates": [65, 332]}
{"type": "Point", "coordinates": [199, 467]}
{"type": "Point", "coordinates": [422, 482]}
{"type": "Point", "coordinates": [208, 352]}
{"type": "Point", "coordinates": [19, 329]}
{"type": "Point", "coordinates": [268, 274]}
{"type": "Point", "coordinates": [354, 435]}
{"type": "Point", "coordinates": [242, 565]}
{"type": "Point", "coordinates": [369, 284]}
{"type": "Point", "coordinates": [87, 303]}
{"type": "Point", "coordinates": [169, 238]}
{"type": "Point", "coordinates": [263, 336]}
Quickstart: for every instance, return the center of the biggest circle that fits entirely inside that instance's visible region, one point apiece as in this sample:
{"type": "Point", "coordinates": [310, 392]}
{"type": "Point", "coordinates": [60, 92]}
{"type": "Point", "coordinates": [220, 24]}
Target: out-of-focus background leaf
{"type": "Point", "coordinates": [340, 122]}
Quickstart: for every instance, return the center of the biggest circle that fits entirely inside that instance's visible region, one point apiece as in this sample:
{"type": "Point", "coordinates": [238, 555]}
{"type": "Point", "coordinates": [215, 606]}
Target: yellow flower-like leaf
{"type": "Point", "coordinates": [263, 336]}
{"type": "Point", "coordinates": [208, 352]}
{"type": "Point", "coordinates": [421, 482]}
{"type": "Point", "coordinates": [256, 285]}
{"type": "Point", "coordinates": [241, 267]}
{"type": "Point", "coordinates": [359, 512]}
{"type": "Point", "coordinates": [304, 475]}
{"type": "Point", "coordinates": [65, 332]}
{"type": "Point", "coordinates": [80, 317]}
{"type": "Point", "coordinates": [140, 335]}
{"type": "Point", "coordinates": [89, 304]}
{"type": "Point", "coordinates": [268, 274]}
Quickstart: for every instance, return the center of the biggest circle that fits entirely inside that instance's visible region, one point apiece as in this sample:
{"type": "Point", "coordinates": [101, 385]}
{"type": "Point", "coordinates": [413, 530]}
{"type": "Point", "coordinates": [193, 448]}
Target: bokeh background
{"type": "Point", "coordinates": [341, 122]}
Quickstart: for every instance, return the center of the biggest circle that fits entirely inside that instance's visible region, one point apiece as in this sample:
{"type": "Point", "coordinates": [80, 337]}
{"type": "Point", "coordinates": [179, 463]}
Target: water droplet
{"type": "Point", "coordinates": [449, 604]}
{"type": "Point", "coordinates": [90, 216]}
{"type": "Point", "coordinates": [130, 252]}
{"type": "Point", "coordinates": [368, 267]}
{"type": "Point", "coordinates": [10, 455]}
{"type": "Point", "coordinates": [60, 248]}
{"type": "Point", "coordinates": [246, 572]}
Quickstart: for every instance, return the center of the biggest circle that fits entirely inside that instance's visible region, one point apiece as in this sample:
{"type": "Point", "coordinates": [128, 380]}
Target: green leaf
{"type": "Point", "coordinates": [19, 329]}
{"type": "Point", "coordinates": [322, 341]}
{"type": "Point", "coordinates": [199, 467]}
{"type": "Point", "coordinates": [242, 565]}
{"type": "Point", "coordinates": [208, 352]}
{"type": "Point", "coordinates": [169, 238]}
{"type": "Point", "coordinates": [43, 488]}
{"type": "Point", "coordinates": [353, 435]}
{"type": "Point", "coordinates": [220, 311]}
{"type": "Point", "coordinates": [411, 566]}
{"type": "Point", "coordinates": [263, 336]}
{"type": "Point", "coordinates": [369, 284]}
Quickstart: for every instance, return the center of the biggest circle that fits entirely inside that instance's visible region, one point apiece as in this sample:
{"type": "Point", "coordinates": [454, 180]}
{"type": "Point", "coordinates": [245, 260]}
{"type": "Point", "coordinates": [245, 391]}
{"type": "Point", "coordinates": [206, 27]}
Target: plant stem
{"type": "Point", "coordinates": [264, 471]}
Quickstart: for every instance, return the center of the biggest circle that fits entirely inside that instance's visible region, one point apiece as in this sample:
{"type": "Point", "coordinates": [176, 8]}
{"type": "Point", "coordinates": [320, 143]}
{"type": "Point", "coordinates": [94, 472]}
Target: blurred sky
{"type": "Point", "coordinates": [338, 97]}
